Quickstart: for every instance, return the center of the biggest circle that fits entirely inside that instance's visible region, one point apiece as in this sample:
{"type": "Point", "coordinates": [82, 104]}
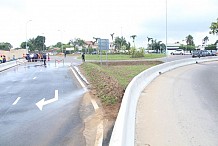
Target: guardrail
{"type": "Point", "coordinates": [124, 129]}
{"type": "Point", "coordinates": [7, 65]}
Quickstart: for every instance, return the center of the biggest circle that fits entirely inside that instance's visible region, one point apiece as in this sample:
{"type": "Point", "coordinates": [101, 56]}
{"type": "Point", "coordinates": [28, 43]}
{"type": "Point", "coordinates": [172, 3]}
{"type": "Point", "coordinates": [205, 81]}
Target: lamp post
{"type": "Point", "coordinates": [26, 35]}
{"type": "Point", "coordinates": [166, 30]}
{"type": "Point", "coordinates": [43, 42]}
{"type": "Point", "coordinates": [61, 41]}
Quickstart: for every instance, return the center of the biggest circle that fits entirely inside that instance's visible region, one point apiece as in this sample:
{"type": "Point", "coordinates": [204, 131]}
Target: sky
{"type": "Point", "coordinates": [64, 20]}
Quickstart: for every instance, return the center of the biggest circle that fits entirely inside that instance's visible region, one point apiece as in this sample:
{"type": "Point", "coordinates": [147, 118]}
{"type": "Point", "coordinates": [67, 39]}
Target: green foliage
{"type": "Point", "coordinates": [211, 47]}
{"type": "Point", "coordinates": [214, 27]}
{"type": "Point", "coordinates": [137, 53]}
{"type": "Point", "coordinates": [76, 43]}
{"type": "Point", "coordinates": [34, 44]}
{"type": "Point", "coordinates": [190, 40]}
{"type": "Point", "coordinates": [121, 44]}
{"type": "Point", "coordinates": [5, 46]}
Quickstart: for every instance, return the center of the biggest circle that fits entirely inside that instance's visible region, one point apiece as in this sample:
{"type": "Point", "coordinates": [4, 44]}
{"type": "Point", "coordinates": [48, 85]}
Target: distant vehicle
{"type": "Point", "coordinates": [178, 52]}
{"type": "Point", "coordinates": [94, 52]}
{"type": "Point", "coordinates": [213, 52]}
{"type": "Point", "coordinates": [199, 53]}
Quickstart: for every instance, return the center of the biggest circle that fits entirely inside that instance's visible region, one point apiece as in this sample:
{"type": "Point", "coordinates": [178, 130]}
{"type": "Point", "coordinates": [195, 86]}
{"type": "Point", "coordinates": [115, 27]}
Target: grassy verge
{"type": "Point", "coordinates": [110, 82]}
{"type": "Point", "coordinates": [121, 57]}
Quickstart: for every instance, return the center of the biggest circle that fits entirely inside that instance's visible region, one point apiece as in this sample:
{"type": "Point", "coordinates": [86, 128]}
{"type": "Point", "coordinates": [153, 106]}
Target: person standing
{"type": "Point", "coordinates": [44, 58]}
{"type": "Point", "coordinates": [65, 54]}
{"type": "Point", "coordinates": [83, 57]}
{"type": "Point", "coordinates": [4, 59]}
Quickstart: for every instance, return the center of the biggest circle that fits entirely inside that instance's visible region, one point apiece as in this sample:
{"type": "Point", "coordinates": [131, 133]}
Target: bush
{"type": "Point", "coordinates": [137, 53]}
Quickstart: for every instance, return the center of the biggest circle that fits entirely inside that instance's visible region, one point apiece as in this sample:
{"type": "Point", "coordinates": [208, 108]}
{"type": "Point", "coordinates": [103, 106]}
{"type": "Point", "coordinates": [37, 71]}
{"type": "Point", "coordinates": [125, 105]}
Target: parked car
{"type": "Point", "coordinates": [178, 52]}
{"type": "Point", "coordinates": [199, 53]}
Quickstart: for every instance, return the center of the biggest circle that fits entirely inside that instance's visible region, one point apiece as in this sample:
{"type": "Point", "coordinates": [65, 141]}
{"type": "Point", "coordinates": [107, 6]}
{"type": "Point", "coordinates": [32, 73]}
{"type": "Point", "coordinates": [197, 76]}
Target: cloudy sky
{"type": "Point", "coordinates": [63, 20]}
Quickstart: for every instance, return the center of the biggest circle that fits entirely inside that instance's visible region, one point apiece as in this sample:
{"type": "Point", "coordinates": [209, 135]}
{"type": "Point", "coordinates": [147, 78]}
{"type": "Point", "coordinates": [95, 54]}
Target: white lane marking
{"type": "Point", "coordinates": [81, 83]}
{"type": "Point", "coordinates": [95, 105]}
{"type": "Point", "coordinates": [34, 78]}
{"type": "Point", "coordinates": [42, 102]}
{"type": "Point", "coordinates": [16, 101]}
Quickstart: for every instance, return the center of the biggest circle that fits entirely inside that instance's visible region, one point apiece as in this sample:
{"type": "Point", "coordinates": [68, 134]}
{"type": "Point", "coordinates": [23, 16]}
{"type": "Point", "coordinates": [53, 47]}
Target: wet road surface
{"type": "Point", "coordinates": [22, 123]}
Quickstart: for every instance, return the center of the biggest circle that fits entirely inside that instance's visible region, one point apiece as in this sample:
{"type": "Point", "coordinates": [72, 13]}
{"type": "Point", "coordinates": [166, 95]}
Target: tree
{"type": "Point", "coordinates": [190, 40]}
{"type": "Point", "coordinates": [77, 42]}
{"type": "Point", "coordinates": [5, 46]}
{"type": "Point", "coordinates": [40, 43]}
{"type": "Point", "coordinates": [120, 43]}
{"type": "Point", "coordinates": [205, 40]}
{"type": "Point", "coordinates": [133, 39]}
{"type": "Point", "coordinates": [214, 27]}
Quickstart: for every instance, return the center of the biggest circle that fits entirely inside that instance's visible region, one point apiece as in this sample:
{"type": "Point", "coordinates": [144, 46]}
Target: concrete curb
{"type": "Point", "coordinates": [124, 129]}
{"type": "Point", "coordinates": [7, 65]}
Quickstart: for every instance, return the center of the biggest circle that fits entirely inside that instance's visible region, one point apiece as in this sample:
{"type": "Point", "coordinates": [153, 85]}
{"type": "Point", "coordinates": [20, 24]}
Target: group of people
{"type": "Point", "coordinates": [36, 57]}
{"type": "Point", "coordinates": [2, 59]}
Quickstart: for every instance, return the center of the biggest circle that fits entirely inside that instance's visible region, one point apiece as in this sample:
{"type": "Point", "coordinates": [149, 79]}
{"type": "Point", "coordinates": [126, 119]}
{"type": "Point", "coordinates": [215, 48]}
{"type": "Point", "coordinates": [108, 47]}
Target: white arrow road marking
{"type": "Point", "coordinates": [34, 78]}
{"type": "Point", "coordinates": [42, 102]}
{"type": "Point", "coordinates": [16, 101]}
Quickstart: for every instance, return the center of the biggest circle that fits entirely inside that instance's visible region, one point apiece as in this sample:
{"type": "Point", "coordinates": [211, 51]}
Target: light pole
{"type": "Point", "coordinates": [61, 41]}
{"type": "Point", "coordinates": [166, 30]}
{"type": "Point", "coordinates": [26, 35]}
{"type": "Point", "coordinates": [43, 42]}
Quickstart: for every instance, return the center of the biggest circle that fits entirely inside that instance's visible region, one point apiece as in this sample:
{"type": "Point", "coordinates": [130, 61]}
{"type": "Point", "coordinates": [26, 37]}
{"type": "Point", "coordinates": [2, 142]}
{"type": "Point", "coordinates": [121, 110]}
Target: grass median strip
{"type": "Point", "coordinates": [110, 81]}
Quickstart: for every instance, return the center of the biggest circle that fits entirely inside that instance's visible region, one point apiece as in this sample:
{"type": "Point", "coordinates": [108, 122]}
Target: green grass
{"type": "Point", "coordinates": [121, 57]}
{"type": "Point", "coordinates": [123, 74]}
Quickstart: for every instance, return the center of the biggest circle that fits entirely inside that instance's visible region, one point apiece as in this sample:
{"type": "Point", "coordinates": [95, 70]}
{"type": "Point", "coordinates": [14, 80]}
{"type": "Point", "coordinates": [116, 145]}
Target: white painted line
{"type": "Point", "coordinates": [95, 105]}
{"type": "Point", "coordinates": [34, 78]}
{"type": "Point", "coordinates": [77, 77]}
{"type": "Point", "coordinates": [16, 101]}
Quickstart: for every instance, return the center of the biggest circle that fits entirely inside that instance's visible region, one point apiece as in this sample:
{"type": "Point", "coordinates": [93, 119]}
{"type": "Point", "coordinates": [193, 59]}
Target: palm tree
{"type": "Point", "coordinates": [205, 40]}
{"type": "Point", "coordinates": [214, 27]}
{"type": "Point", "coordinates": [112, 36]}
{"type": "Point", "coordinates": [133, 39]}
{"type": "Point", "coordinates": [189, 40]}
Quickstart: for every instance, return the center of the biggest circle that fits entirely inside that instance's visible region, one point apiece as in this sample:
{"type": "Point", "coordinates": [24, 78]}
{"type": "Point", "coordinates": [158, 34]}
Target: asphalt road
{"type": "Point", "coordinates": [180, 108]}
{"type": "Point", "coordinates": [22, 123]}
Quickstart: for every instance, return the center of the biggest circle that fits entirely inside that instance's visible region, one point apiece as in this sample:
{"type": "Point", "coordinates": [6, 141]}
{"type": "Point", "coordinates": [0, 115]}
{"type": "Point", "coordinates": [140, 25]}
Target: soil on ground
{"type": "Point", "coordinates": [111, 87]}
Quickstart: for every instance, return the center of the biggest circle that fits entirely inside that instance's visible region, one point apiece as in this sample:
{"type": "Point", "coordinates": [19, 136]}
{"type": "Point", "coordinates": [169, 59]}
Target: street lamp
{"type": "Point", "coordinates": [61, 41]}
{"type": "Point", "coordinates": [43, 42]}
{"type": "Point", "coordinates": [166, 30]}
{"type": "Point", "coordinates": [26, 35]}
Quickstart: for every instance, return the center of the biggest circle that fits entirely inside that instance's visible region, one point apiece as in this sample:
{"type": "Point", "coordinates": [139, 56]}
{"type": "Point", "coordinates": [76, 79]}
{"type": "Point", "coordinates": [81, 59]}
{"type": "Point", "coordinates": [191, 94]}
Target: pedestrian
{"type": "Point", "coordinates": [1, 59]}
{"type": "Point", "coordinates": [65, 54]}
{"type": "Point", "coordinates": [83, 57]}
{"type": "Point", "coordinates": [4, 59]}
{"type": "Point", "coordinates": [44, 58]}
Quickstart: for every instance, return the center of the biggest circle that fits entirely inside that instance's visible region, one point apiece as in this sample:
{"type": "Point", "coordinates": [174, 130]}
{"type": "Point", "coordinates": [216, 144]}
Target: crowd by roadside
{"type": "Point", "coordinates": [2, 59]}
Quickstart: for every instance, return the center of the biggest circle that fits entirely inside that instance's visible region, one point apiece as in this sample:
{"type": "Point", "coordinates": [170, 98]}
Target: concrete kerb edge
{"type": "Point", "coordinates": [7, 65]}
{"type": "Point", "coordinates": [100, 130]}
{"type": "Point", "coordinates": [122, 135]}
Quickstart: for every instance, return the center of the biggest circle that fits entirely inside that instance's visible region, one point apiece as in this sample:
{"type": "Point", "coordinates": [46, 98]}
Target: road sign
{"type": "Point", "coordinates": [103, 44]}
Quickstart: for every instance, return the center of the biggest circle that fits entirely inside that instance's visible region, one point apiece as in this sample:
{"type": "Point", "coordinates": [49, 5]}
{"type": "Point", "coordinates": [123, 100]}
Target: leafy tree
{"type": "Point", "coordinates": [190, 40]}
{"type": "Point", "coordinates": [5, 46]}
{"type": "Point", "coordinates": [214, 27]}
{"type": "Point", "coordinates": [40, 43]}
{"type": "Point", "coordinates": [120, 43]}
{"type": "Point", "coordinates": [77, 42]}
